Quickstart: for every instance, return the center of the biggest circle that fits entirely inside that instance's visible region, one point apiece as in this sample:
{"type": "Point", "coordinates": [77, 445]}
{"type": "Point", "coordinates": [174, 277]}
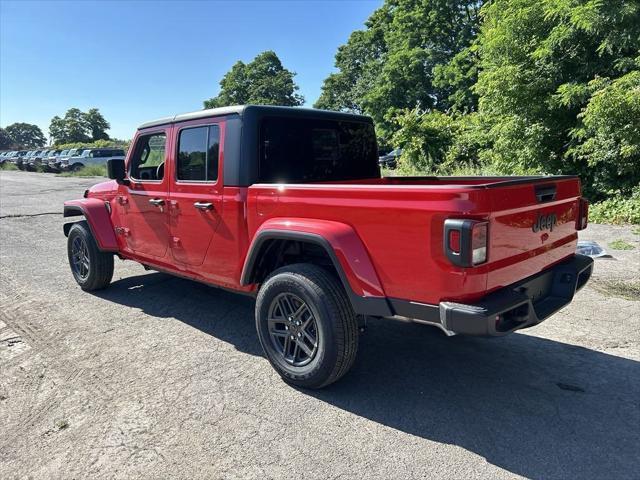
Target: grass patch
{"type": "Point", "coordinates": [61, 424]}
{"type": "Point", "coordinates": [89, 171]}
{"type": "Point", "coordinates": [620, 245]}
{"type": "Point", "coordinates": [8, 166]}
{"type": "Point", "coordinates": [616, 288]}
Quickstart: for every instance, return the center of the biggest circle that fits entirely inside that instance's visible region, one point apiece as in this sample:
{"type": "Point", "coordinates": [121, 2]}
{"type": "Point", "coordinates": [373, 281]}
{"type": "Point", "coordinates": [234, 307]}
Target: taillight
{"type": "Point", "coordinates": [465, 242]}
{"type": "Point", "coordinates": [454, 241]}
{"type": "Point", "coordinates": [583, 214]}
{"type": "Point", "coordinates": [479, 243]}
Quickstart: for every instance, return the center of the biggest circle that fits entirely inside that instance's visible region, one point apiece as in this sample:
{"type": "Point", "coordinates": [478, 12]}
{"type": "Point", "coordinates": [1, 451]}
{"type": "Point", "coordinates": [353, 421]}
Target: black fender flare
{"type": "Point", "coordinates": [374, 306]}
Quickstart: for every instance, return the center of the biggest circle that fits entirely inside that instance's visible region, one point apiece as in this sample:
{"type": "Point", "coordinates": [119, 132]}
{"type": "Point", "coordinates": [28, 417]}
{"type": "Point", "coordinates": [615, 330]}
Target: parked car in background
{"type": "Point", "coordinates": [18, 158]}
{"type": "Point", "coordinates": [36, 160]}
{"type": "Point", "coordinates": [50, 158]}
{"type": "Point", "coordinates": [63, 164]}
{"type": "Point", "coordinates": [27, 158]}
{"type": "Point", "coordinates": [92, 156]}
{"type": "Point", "coordinates": [64, 157]}
{"type": "Point", "coordinates": [390, 160]}
{"type": "Point", "coordinates": [53, 161]}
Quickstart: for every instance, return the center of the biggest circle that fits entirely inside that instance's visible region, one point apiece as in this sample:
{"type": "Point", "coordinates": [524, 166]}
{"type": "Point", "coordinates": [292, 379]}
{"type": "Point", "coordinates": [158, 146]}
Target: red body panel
{"type": "Point", "coordinates": [350, 251]}
{"type": "Point", "coordinates": [97, 215]}
{"type": "Point", "coordinates": [387, 234]}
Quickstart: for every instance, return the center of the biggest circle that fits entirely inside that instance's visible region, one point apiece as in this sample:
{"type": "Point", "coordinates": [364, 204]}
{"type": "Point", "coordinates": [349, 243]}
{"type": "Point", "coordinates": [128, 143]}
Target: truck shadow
{"type": "Point", "coordinates": [535, 407]}
{"type": "Point", "coordinates": [225, 315]}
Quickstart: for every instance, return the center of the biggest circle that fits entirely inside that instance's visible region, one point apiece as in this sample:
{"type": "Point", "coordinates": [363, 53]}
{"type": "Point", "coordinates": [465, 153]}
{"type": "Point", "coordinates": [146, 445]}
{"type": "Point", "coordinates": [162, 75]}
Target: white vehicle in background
{"type": "Point", "coordinates": [91, 156]}
{"type": "Point", "coordinates": [49, 160]}
{"type": "Point", "coordinates": [35, 160]}
{"type": "Point", "coordinates": [53, 163]}
{"type": "Point", "coordinates": [63, 158]}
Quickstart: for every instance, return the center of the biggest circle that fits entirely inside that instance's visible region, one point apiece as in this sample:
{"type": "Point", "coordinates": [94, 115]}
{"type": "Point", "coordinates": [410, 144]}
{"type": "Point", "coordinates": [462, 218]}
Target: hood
{"type": "Point", "coordinates": [104, 188]}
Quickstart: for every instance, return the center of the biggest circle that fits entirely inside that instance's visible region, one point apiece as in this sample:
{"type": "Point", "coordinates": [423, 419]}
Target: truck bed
{"type": "Point", "coordinates": [400, 221]}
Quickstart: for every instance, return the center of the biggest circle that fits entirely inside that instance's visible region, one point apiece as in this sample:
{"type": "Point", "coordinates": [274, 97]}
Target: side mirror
{"type": "Point", "coordinates": [116, 171]}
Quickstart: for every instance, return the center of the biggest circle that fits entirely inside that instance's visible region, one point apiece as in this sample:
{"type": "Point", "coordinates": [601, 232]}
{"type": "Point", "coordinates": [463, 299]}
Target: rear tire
{"type": "Point", "coordinates": [91, 268]}
{"type": "Point", "coordinates": [306, 325]}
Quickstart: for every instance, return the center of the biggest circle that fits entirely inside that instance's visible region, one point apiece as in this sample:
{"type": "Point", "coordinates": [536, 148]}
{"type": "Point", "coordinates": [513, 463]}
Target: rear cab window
{"type": "Point", "coordinates": [294, 150]}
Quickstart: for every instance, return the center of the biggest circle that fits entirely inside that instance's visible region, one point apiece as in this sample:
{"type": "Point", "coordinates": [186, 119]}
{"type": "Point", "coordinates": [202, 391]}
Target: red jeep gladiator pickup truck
{"type": "Point", "coordinates": [288, 204]}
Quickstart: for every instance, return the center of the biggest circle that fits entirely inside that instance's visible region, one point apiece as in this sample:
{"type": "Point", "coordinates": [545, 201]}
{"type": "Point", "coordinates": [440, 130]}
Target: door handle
{"type": "Point", "coordinates": [203, 205]}
{"type": "Point", "coordinates": [158, 202]}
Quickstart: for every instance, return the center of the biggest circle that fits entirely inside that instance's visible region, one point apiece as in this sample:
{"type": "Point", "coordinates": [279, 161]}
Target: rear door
{"type": "Point", "coordinates": [196, 190]}
{"type": "Point", "coordinates": [143, 203]}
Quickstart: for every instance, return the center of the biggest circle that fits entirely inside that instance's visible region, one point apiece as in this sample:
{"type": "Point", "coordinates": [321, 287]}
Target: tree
{"type": "Point", "coordinates": [97, 124]}
{"type": "Point", "coordinates": [396, 63]}
{"type": "Point", "coordinates": [5, 140]}
{"type": "Point", "coordinates": [79, 127]}
{"type": "Point", "coordinates": [25, 135]}
{"type": "Point", "coordinates": [56, 130]}
{"type": "Point", "coordinates": [263, 81]}
{"type": "Point", "coordinates": [551, 87]}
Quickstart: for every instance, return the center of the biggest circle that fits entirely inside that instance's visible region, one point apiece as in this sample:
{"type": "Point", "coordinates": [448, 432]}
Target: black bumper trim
{"type": "Point", "coordinates": [520, 305]}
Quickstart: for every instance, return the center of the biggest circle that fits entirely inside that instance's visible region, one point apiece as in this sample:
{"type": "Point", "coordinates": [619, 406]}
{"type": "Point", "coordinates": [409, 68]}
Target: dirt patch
{"type": "Point", "coordinates": [616, 288]}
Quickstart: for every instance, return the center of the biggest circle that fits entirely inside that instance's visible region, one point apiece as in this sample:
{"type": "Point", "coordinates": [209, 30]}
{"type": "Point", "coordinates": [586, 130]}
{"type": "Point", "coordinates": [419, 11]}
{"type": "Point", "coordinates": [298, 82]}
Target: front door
{"type": "Point", "coordinates": [144, 202]}
{"type": "Point", "coordinates": [196, 191]}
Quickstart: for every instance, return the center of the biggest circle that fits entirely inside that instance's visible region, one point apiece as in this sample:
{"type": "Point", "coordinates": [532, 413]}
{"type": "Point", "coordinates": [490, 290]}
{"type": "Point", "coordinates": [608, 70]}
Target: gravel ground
{"type": "Point", "coordinates": [158, 377]}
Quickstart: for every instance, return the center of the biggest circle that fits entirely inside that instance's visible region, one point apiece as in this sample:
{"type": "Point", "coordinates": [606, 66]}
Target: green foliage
{"type": "Point", "coordinates": [558, 86]}
{"type": "Point", "coordinates": [8, 166]}
{"type": "Point", "coordinates": [88, 171]}
{"type": "Point", "coordinates": [503, 86]}
{"type": "Point", "coordinates": [78, 127]}
{"type": "Point", "coordinates": [620, 245]}
{"type": "Point", "coordinates": [5, 140]}
{"type": "Point", "coordinates": [25, 135]}
{"type": "Point", "coordinates": [607, 136]}
{"type": "Point", "coordinates": [113, 143]}
{"type": "Point", "coordinates": [97, 124]}
{"type": "Point", "coordinates": [413, 54]}
{"type": "Point", "coordinates": [263, 81]}
{"type": "Point", "coordinates": [617, 209]}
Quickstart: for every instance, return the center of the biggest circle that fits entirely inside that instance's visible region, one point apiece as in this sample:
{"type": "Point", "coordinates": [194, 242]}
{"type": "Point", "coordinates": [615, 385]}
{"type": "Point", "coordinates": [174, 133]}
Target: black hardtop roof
{"type": "Point", "coordinates": [258, 110]}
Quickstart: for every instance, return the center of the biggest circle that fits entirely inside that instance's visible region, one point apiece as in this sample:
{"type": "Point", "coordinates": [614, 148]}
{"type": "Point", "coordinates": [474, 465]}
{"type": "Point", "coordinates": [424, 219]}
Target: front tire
{"type": "Point", "coordinates": [91, 268]}
{"type": "Point", "coordinates": [306, 325]}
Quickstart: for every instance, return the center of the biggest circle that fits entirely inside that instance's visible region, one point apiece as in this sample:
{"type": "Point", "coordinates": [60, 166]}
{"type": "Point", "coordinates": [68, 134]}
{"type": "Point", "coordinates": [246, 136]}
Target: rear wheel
{"type": "Point", "coordinates": [306, 325]}
{"type": "Point", "coordinates": [91, 268]}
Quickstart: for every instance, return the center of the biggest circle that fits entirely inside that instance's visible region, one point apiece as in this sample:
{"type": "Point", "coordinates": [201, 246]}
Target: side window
{"type": "Point", "coordinates": [213, 153]}
{"type": "Point", "coordinates": [148, 156]}
{"type": "Point", "coordinates": [198, 150]}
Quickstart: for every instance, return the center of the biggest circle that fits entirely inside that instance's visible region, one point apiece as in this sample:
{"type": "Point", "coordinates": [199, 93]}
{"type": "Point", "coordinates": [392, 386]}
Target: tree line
{"type": "Point", "coordinates": [75, 126]}
{"type": "Point", "coordinates": [495, 86]}
{"type": "Point", "coordinates": [504, 86]}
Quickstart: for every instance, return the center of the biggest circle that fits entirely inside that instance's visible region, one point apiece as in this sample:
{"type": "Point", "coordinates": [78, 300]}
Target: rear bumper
{"type": "Point", "coordinates": [521, 305]}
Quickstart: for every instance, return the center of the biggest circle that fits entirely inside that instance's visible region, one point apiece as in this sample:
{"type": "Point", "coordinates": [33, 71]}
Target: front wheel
{"type": "Point", "coordinates": [306, 325]}
{"type": "Point", "coordinates": [91, 268]}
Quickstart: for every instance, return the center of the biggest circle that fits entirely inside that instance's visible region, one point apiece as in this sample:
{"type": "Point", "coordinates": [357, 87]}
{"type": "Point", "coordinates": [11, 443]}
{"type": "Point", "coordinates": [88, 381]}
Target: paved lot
{"type": "Point", "coordinates": [159, 377]}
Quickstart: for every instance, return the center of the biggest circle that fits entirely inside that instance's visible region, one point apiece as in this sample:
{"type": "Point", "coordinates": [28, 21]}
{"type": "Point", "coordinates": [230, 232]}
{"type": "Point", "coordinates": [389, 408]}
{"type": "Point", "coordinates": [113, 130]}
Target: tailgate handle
{"type": "Point", "coordinates": [545, 193]}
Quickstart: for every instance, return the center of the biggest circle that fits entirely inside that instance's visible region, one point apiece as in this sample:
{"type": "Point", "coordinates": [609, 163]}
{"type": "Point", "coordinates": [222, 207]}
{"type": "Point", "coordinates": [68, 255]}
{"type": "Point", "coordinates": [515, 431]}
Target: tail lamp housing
{"type": "Point", "coordinates": [466, 242]}
{"type": "Point", "coordinates": [583, 214]}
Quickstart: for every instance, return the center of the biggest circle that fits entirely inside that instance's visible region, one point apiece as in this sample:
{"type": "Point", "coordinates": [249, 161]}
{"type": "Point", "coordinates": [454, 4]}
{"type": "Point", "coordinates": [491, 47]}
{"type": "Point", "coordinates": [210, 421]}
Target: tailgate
{"type": "Point", "coordinates": [532, 226]}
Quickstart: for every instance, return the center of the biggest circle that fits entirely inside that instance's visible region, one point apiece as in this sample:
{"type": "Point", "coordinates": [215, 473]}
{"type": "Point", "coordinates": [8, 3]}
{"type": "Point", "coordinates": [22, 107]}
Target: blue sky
{"type": "Point", "coordinates": [139, 60]}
